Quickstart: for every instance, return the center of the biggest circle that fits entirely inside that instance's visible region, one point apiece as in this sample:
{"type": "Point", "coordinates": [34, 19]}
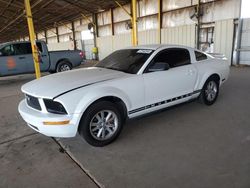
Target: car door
{"type": "Point", "coordinates": [24, 53]}
{"type": "Point", "coordinates": [174, 84]}
{"type": "Point", "coordinates": [11, 61]}
{"type": "Point", "coordinates": [43, 56]}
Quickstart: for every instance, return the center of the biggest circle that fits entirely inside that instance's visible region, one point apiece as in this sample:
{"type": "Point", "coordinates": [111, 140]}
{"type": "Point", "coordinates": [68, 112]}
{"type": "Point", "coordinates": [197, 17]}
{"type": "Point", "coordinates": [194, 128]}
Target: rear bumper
{"type": "Point", "coordinates": [35, 120]}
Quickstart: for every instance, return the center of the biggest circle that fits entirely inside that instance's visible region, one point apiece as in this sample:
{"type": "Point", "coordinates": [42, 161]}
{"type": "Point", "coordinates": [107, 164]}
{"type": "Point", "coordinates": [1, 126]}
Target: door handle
{"type": "Point", "coordinates": [21, 58]}
{"type": "Point", "coordinates": [44, 55]}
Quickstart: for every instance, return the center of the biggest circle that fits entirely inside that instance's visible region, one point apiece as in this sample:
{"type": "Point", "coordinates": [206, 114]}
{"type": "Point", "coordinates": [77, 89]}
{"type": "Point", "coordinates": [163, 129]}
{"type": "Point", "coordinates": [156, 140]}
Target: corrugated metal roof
{"type": "Point", "coordinates": [46, 13]}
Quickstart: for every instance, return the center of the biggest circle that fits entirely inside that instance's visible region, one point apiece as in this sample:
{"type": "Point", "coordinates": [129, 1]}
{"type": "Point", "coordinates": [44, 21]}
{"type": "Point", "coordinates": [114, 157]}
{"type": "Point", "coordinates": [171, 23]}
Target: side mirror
{"type": "Point", "coordinates": [159, 66]}
{"type": "Point", "coordinates": [1, 54]}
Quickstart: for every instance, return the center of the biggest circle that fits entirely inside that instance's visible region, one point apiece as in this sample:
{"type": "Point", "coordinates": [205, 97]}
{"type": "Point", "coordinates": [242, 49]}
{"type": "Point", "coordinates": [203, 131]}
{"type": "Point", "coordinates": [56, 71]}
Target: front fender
{"type": "Point", "coordinates": [77, 101]}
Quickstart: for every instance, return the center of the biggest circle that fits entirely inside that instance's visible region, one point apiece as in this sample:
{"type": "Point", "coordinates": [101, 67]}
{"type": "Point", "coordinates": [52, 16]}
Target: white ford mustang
{"type": "Point", "coordinates": [130, 82]}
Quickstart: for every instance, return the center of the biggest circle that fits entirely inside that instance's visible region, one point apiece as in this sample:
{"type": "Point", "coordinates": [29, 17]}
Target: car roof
{"type": "Point", "coordinates": [157, 46]}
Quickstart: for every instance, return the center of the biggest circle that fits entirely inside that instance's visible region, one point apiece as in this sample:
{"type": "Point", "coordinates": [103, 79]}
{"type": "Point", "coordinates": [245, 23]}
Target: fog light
{"type": "Point", "coordinates": [56, 122]}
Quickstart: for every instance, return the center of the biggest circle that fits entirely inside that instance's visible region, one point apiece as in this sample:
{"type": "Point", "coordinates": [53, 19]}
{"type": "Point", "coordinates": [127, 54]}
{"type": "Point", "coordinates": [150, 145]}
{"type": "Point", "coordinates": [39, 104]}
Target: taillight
{"type": "Point", "coordinates": [81, 53]}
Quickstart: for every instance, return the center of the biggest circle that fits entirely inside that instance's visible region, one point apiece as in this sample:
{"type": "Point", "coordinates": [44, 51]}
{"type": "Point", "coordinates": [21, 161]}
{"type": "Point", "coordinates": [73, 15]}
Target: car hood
{"type": "Point", "coordinates": [56, 84]}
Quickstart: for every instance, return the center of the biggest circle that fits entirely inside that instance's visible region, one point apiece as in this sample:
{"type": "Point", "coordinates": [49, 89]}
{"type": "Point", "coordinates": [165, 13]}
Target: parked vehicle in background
{"type": "Point", "coordinates": [128, 83]}
{"type": "Point", "coordinates": [16, 58]}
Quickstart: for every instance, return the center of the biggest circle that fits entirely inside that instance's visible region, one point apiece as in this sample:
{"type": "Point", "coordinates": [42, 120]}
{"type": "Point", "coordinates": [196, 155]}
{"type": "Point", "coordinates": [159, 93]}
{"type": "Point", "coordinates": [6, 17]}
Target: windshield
{"type": "Point", "coordinates": [127, 60]}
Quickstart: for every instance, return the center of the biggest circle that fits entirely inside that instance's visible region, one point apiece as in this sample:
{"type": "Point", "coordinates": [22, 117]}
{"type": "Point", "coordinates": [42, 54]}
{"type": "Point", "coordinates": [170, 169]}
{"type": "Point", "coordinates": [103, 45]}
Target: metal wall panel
{"type": "Point", "coordinates": [120, 28]}
{"type": "Point", "coordinates": [121, 41]}
{"type": "Point", "coordinates": [61, 46]}
{"type": "Point", "coordinates": [120, 15]}
{"type": "Point", "coordinates": [224, 31]}
{"type": "Point", "coordinates": [81, 27]}
{"type": "Point", "coordinates": [52, 40]}
{"type": "Point", "coordinates": [104, 45]}
{"type": "Point", "coordinates": [87, 46]}
{"type": "Point", "coordinates": [77, 23]}
{"type": "Point", "coordinates": [177, 18]}
{"type": "Point", "coordinates": [85, 21]}
{"type": "Point", "coordinates": [65, 37]}
{"type": "Point", "coordinates": [173, 4]}
{"type": "Point", "coordinates": [41, 36]}
{"type": "Point", "coordinates": [104, 30]}
{"type": "Point", "coordinates": [108, 44]}
{"type": "Point", "coordinates": [78, 35]}
{"type": "Point", "coordinates": [147, 7]}
{"type": "Point", "coordinates": [51, 32]}
{"type": "Point", "coordinates": [227, 9]}
{"type": "Point", "coordinates": [104, 18]}
{"type": "Point", "coordinates": [148, 37]}
{"type": "Point", "coordinates": [245, 43]}
{"type": "Point", "coordinates": [64, 29]}
{"type": "Point", "coordinates": [182, 35]}
{"type": "Point", "coordinates": [147, 23]}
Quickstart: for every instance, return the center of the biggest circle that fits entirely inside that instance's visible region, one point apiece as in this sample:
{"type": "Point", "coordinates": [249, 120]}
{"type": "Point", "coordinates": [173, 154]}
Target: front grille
{"type": "Point", "coordinates": [33, 102]}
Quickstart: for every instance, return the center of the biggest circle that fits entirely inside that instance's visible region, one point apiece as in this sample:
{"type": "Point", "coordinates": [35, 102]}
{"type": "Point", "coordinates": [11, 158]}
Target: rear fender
{"type": "Point", "coordinates": [205, 78]}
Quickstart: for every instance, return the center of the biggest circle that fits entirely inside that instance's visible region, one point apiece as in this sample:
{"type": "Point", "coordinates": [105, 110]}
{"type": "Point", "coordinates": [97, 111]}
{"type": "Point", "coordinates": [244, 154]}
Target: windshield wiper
{"type": "Point", "coordinates": [112, 68]}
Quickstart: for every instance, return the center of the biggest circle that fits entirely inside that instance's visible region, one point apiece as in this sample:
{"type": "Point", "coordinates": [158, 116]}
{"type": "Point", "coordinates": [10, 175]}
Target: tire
{"type": "Point", "coordinates": [98, 132]}
{"type": "Point", "coordinates": [52, 72]}
{"type": "Point", "coordinates": [63, 66]}
{"type": "Point", "coordinates": [210, 91]}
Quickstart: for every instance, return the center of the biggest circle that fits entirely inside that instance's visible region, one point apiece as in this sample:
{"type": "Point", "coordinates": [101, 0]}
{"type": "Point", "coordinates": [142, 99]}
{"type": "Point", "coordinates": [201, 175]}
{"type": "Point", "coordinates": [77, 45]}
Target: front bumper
{"type": "Point", "coordinates": [35, 119]}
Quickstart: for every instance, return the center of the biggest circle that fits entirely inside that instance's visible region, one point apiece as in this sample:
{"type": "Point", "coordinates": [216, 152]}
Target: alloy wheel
{"type": "Point", "coordinates": [103, 125]}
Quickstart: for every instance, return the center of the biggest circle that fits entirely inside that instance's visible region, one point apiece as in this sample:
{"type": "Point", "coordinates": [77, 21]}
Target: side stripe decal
{"type": "Point", "coordinates": [163, 102]}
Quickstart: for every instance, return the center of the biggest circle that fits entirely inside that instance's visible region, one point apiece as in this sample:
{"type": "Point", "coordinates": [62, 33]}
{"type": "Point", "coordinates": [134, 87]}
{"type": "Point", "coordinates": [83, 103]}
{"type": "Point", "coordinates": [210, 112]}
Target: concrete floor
{"type": "Point", "coordinates": [29, 159]}
{"type": "Point", "coordinates": [188, 146]}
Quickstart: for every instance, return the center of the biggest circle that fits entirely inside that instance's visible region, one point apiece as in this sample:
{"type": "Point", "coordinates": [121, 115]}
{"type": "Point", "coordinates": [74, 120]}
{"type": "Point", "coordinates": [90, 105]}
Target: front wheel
{"type": "Point", "coordinates": [63, 66]}
{"type": "Point", "coordinates": [101, 124]}
{"type": "Point", "coordinates": [210, 91]}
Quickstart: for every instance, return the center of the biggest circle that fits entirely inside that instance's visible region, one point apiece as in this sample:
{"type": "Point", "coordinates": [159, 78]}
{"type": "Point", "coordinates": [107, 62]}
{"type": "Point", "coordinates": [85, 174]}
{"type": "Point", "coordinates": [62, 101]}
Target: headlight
{"type": "Point", "coordinates": [54, 107]}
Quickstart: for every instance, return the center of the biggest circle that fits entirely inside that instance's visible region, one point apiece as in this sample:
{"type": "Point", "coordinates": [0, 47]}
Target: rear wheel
{"type": "Point", "coordinates": [210, 91]}
{"type": "Point", "coordinates": [101, 124]}
{"type": "Point", "coordinates": [63, 66]}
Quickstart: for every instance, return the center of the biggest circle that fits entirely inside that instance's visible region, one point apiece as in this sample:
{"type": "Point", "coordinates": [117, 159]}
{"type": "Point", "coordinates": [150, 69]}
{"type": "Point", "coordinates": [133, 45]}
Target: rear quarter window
{"type": "Point", "coordinates": [200, 56]}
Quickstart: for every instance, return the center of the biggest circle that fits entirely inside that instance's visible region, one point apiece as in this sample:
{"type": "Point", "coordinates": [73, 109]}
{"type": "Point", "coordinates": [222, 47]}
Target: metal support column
{"type": "Point", "coordinates": [94, 21]}
{"type": "Point", "coordinates": [57, 35]}
{"type": "Point", "coordinates": [46, 37]}
{"type": "Point", "coordinates": [198, 24]}
{"type": "Point", "coordinates": [112, 22]}
{"type": "Point", "coordinates": [96, 34]}
{"type": "Point", "coordinates": [159, 20]}
{"type": "Point", "coordinates": [239, 35]}
{"type": "Point", "coordinates": [131, 18]}
{"type": "Point", "coordinates": [32, 38]}
{"type": "Point", "coordinates": [74, 35]}
{"type": "Point", "coordinates": [134, 23]}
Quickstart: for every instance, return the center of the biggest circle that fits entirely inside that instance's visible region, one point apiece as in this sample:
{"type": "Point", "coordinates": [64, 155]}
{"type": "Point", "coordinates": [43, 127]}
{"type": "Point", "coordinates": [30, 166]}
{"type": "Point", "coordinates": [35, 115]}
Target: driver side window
{"type": "Point", "coordinates": [169, 58]}
{"type": "Point", "coordinates": [8, 50]}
